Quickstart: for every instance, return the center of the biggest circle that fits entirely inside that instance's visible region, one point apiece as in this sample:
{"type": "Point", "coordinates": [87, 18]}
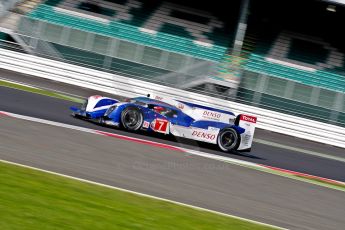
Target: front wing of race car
{"type": "Point", "coordinates": [76, 112]}
{"type": "Point", "coordinates": [92, 115]}
{"type": "Point", "coordinates": [93, 108]}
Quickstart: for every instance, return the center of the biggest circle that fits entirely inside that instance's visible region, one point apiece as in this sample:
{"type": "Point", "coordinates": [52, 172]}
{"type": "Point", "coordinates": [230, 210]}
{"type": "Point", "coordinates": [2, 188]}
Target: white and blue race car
{"type": "Point", "coordinates": [160, 114]}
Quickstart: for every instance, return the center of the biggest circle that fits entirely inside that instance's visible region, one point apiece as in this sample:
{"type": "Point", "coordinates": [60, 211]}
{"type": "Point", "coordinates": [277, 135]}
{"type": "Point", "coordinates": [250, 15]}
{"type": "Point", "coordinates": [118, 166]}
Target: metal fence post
{"type": "Point", "coordinates": [315, 94]}
{"type": "Point", "coordinates": [290, 86]}
{"type": "Point", "coordinates": [112, 46]}
{"type": "Point", "coordinates": [89, 41]}
{"type": "Point", "coordinates": [260, 88]}
{"type": "Point", "coordinates": [337, 107]}
{"type": "Point", "coordinates": [35, 37]}
{"type": "Point", "coordinates": [65, 35]}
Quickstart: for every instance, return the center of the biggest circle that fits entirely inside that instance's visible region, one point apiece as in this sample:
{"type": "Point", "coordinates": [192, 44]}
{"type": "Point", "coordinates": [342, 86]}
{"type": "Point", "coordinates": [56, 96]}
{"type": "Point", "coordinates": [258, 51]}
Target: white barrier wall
{"type": "Point", "coordinates": [123, 86]}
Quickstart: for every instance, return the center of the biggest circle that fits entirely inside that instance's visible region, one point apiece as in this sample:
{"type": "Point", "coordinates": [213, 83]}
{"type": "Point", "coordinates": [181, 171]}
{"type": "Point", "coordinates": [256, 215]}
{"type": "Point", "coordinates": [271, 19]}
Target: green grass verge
{"type": "Point", "coordinates": [31, 199]}
{"type": "Point", "coordinates": [39, 91]}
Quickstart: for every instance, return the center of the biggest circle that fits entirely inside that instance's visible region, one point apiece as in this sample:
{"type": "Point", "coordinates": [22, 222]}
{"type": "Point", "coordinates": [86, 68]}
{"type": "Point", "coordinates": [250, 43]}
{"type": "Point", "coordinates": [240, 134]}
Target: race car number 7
{"type": "Point", "coordinates": [161, 123]}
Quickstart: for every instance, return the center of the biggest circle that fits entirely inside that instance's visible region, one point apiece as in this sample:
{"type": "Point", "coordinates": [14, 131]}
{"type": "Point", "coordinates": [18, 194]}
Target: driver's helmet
{"type": "Point", "coordinates": [159, 109]}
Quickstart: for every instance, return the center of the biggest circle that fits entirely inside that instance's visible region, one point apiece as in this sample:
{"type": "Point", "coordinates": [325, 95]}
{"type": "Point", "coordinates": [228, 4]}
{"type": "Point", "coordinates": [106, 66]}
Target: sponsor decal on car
{"type": "Point", "coordinates": [203, 135]}
{"type": "Point", "coordinates": [248, 118]}
{"type": "Point", "coordinates": [211, 115]}
{"type": "Point", "coordinates": [246, 139]}
{"type": "Point", "coordinates": [146, 124]}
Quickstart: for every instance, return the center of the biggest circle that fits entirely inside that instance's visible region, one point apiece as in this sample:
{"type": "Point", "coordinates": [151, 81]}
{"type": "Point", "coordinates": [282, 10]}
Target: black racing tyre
{"type": "Point", "coordinates": [228, 139]}
{"type": "Point", "coordinates": [132, 118]}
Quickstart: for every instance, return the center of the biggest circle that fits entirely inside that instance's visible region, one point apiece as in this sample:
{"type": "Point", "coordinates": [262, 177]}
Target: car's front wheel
{"type": "Point", "coordinates": [228, 139]}
{"type": "Point", "coordinates": [132, 118]}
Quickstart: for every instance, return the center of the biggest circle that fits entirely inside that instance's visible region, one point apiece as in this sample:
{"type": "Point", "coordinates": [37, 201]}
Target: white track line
{"type": "Point", "coordinates": [142, 194]}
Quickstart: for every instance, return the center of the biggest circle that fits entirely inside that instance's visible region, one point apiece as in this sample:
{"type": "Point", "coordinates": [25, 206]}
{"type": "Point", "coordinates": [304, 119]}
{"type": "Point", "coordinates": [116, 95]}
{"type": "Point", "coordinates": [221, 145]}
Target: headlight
{"type": "Point", "coordinates": [111, 109]}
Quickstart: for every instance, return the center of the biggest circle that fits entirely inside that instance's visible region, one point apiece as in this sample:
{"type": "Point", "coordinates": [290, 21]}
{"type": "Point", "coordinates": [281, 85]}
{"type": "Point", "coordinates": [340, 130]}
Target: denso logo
{"type": "Point", "coordinates": [203, 135]}
{"type": "Point", "coordinates": [211, 114]}
{"type": "Point", "coordinates": [159, 98]}
{"type": "Point", "coordinates": [248, 118]}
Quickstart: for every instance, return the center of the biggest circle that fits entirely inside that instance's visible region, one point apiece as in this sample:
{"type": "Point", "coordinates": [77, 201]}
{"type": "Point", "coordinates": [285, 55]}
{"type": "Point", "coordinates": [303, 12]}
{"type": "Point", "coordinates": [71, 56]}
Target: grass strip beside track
{"type": "Point", "coordinates": [31, 199]}
{"type": "Point", "coordinates": [39, 91]}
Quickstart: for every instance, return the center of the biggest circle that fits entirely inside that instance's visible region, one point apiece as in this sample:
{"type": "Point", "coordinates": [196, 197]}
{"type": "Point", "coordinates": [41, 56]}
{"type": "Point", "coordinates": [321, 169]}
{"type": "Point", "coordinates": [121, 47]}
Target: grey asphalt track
{"type": "Point", "coordinates": [173, 175]}
{"type": "Point", "coordinates": [39, 106]}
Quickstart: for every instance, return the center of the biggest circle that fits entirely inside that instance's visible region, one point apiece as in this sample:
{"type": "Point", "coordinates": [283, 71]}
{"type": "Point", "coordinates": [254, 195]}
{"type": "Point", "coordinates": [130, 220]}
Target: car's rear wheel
{"type": "Point", "coordinates": [132, 118]}
{"type": "Point", "coordinates": [228, 139]}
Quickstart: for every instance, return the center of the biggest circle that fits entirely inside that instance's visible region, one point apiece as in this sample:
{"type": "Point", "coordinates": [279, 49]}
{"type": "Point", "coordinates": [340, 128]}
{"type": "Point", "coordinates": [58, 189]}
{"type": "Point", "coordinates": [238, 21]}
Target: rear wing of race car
{"type": "Point", "coordinates": [248, 123]}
